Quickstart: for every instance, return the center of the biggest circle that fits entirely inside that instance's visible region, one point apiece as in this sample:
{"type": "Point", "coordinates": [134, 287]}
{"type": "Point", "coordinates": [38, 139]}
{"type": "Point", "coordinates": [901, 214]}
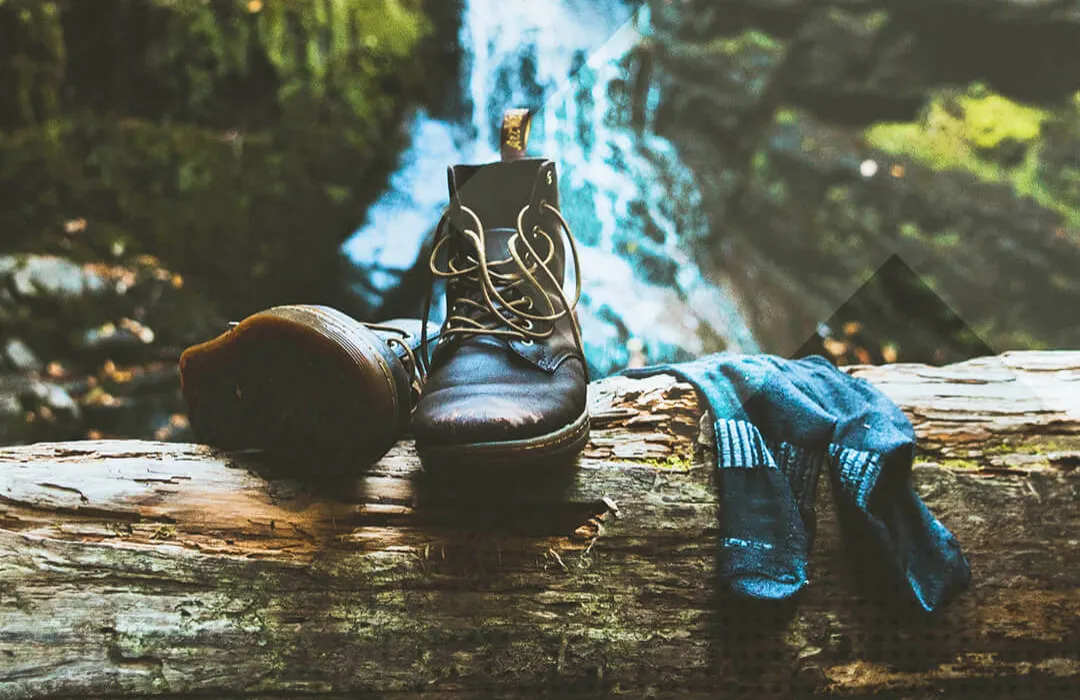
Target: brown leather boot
{"type": "Point", "coordinates": [507, 380]}
{"type": "Point", "coordinates": [305, 379]}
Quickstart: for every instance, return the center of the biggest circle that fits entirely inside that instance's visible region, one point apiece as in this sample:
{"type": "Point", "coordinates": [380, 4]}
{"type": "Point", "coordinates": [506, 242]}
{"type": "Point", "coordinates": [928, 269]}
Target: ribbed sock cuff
{"type": "Point", "coordinates": [740, 445]}
{"type": "Point", "coordinates": [857, 471]}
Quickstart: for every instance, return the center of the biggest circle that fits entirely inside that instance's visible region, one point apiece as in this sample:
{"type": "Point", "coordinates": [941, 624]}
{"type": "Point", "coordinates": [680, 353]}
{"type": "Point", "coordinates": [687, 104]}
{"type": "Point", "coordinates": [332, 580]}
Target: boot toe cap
{"type": "Point", "coordinates": [465, 415]}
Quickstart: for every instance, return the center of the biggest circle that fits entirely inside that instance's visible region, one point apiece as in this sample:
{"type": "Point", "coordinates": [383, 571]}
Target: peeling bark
{"type": "Point", "coordinates": [136, 568]}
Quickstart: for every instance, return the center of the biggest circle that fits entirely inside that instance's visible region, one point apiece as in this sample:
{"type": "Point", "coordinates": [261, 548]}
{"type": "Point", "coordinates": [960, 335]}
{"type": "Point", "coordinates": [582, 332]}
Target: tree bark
{"type": "Point", "coordinates": [134, 568]}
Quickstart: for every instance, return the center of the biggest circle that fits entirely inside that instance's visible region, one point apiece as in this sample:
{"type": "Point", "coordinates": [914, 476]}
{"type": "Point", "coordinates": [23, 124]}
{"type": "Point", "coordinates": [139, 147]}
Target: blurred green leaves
{"type": "Point", "coordinates": [238, 140]}
{"type": "Point", "coordinates": [998, 140]}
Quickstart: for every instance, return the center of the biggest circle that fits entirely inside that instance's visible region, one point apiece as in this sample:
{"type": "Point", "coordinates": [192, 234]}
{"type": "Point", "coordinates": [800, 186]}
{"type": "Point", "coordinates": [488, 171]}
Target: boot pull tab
{"type": "Point", "coordinates": [515, 134]}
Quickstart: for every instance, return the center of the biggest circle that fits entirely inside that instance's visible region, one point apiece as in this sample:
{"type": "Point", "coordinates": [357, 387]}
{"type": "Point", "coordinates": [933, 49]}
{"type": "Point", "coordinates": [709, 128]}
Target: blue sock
{"type": "Point", "coordinates": [766, 486]}
{"type": "Point", "coordinates": [775, 422]}
{"type": "Point", "coordinates": [894, 534]}
{"type": "Point", "coordinates": [764, 542]}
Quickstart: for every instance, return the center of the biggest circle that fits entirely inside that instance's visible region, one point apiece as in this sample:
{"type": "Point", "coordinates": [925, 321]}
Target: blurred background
{"type": "Point", "coordinates": [871, 181]}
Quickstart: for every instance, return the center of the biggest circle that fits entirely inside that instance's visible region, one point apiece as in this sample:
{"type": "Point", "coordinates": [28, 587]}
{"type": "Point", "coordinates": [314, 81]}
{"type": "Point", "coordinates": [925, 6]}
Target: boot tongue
{"type": "Point", "coordinates": [496, 192]}
{"type": "Point", "coordinates": [497, 248]}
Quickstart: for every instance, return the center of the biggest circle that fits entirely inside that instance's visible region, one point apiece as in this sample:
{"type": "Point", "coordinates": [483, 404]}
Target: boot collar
{"type": "Point", "coordinates": [498, 191]}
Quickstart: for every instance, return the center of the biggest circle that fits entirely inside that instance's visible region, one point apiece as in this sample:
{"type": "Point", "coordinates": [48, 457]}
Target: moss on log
{"type": "Point", "coordinates": [142, 569]}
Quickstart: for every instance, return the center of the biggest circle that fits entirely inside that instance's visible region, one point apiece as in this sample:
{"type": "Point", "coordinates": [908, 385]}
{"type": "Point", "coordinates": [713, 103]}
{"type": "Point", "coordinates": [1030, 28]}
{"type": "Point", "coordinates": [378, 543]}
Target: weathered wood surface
{"type": "Point", "coordinates": [138, 568]}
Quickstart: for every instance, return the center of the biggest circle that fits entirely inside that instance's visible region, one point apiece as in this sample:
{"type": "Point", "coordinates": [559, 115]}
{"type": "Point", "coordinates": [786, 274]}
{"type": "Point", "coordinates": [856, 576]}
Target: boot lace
{"type": "Point", "coordinates": [496, 301]}
{"type": "Point", "coordinates": [416, 369]}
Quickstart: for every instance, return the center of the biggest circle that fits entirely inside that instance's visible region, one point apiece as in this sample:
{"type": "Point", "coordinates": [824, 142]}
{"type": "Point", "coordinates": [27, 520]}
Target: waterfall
{"type": "Point", "coordinates": [633, 206]}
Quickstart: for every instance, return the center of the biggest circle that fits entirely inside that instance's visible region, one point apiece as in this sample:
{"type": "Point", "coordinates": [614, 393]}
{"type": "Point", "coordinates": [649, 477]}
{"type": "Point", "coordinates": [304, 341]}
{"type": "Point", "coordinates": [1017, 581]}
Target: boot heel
{"type": "Point", "coordinates": [298, 380]}
{"type": "Point", "coordinates": [211, 396]}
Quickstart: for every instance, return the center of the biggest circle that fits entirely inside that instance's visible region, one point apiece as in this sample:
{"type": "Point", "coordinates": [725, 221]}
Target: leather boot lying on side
{"type": "Point", "coordinates": [304, 379]}
{"type": "Point", "coordinates": [507, 380]}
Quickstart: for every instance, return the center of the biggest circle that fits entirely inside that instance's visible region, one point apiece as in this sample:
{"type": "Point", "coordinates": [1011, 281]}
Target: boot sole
{"type": "Point", "coordinates": [294, 380]}
{"type": "Point", "coordinates": [560, 445]}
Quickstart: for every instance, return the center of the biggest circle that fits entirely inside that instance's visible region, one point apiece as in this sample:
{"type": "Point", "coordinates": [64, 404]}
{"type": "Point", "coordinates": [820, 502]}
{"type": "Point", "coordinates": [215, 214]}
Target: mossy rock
{"type": "Point", "coordinates": [998, 140]}
{"type": "Point", "coordinates": [967, 131]}
{"type": "Point", "coordinates": [988, 269]}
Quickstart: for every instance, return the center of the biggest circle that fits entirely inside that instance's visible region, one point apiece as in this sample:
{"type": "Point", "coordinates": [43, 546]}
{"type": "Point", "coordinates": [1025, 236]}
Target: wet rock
{"type": "Point", "coordinates": [1002, 264]}
{"type": "Point", "coordinates": [11, 412]}
{"type": "Point", "coordinates": [124, 340]}
{"type": "Point", "coordinates": [21, 358]}
{"type": "Point", "coordinates": [32, 410]}
{"type": "Point", "coordinates": [45, 276]}
{"type": "Point", "coordinates": [95, 345]}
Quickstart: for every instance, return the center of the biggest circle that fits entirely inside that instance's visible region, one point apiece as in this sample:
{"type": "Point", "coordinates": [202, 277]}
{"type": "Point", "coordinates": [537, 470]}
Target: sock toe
{"type": "Point", "coordinates": [758, 587]}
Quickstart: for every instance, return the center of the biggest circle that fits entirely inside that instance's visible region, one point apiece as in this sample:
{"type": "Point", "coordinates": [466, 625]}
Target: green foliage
{"type": "Point", "coordinates": [751, 41]}
{"type": "Point", "coordinates": [954, 133]}
{"type": "Point", "coordinates": [1059, 163]}
{"type": "Point", "coordinates": [238, 140]}
{"type": "Point", "coordinates": [343, 39]}
{"type": "Point", "coordinates": [992, 137]}
{"type": "Point", "coordinates": [31, 79]}
{"type": "Point", "coordinates": [250, 220]}
{"type": "Point", "coordinates": [785, 116]}
{"type": "Point", "coordinates": [989, 120]}
{"type": "Point", "coordinates": [208, 62]}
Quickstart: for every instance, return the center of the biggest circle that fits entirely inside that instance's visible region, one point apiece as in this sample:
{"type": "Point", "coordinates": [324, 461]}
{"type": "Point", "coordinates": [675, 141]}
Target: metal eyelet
{"type": "Point", "coordinates": [528, 341]}
{"type": "Point", "coordinates": [528, 324]}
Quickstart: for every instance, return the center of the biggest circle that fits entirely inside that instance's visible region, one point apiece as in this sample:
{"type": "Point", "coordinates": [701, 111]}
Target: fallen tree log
{"type": "Point", "coordinates": [139, 569]}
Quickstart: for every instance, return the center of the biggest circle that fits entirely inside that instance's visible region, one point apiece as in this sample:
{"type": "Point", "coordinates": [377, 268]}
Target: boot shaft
{"type": "Point", "coordinates": [502, 249]}
{"type": "Point", "coordinates": [512, 207]}
{"type": "Point", "coordinates": [502, 195]}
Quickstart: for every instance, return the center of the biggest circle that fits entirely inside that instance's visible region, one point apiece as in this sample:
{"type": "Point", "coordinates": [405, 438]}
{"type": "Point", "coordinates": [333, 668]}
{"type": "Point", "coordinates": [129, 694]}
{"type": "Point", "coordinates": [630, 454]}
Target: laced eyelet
{"type": "Point", "coordinates": [492, 307]}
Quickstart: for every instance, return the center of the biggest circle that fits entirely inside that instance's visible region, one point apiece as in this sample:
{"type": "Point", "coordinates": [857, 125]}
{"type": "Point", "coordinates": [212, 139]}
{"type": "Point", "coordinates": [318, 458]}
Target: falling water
{"type": "Point", "coordinates": [632, 204]}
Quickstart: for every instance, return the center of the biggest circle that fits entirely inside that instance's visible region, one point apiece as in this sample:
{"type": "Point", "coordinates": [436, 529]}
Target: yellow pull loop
{"type": "Point", "coordinates": [514, 138]}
